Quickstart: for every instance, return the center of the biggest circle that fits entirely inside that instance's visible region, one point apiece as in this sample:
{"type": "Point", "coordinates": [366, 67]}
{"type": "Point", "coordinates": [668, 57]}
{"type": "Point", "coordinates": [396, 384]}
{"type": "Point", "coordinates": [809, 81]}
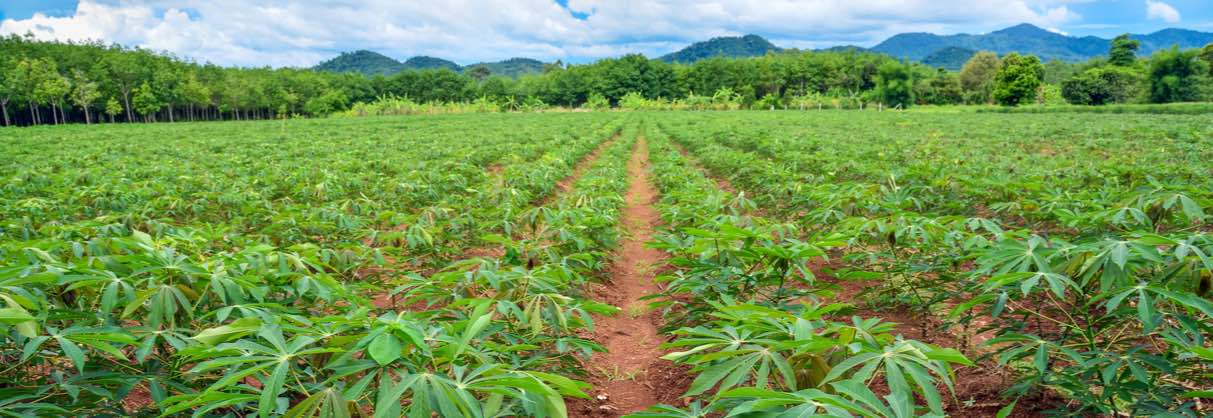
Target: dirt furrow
{"type": "Point", "coordinates": [630, 376]}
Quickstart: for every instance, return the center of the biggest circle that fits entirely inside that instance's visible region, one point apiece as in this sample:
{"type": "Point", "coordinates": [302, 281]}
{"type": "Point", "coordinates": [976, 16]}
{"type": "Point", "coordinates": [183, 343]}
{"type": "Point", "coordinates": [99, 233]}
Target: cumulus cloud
{"type": "Point", "coordinates": [1157, 10]}
{"type": "Point", "coordinates": [286, 33]}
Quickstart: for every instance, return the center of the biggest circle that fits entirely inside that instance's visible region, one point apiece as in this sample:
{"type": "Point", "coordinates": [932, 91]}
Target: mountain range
{"type": "Point", "coordinates": [1029, 39]}
{"type": "Point", "coordinates": [374, 63]}
{"type": "Point", "coordinates": [944, 51]}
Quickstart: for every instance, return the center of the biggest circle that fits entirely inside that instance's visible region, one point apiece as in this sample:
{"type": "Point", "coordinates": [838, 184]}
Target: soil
{"type": "Point", "coordinates": [630, 376]}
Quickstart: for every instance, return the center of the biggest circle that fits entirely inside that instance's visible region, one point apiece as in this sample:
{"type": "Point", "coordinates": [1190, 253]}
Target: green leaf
{"type": "Point", "coordinates": [1006, 410]}
{"type": "Point", "coordinates": [236, 329]}
{"type": "Point", "coordinates": [949, 355]}
{"type": "Point", "coordinates": [385, 348]}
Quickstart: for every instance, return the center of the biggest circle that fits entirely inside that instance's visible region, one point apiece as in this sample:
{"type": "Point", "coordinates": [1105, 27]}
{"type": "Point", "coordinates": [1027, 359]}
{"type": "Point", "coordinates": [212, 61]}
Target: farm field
{"type": "Point", "coordinates": [657, 264]}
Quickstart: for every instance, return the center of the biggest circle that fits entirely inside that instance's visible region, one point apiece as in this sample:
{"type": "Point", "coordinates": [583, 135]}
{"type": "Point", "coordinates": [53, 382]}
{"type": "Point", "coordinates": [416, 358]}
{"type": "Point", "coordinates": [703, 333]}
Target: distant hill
{"type": "Point", "coordinates": [513, 67]}
{"type": "Point", "coordinates": [950, 58]}
{"type": "Point", "coordinates": [374, 63]}
{"type": "Point", "coordinates": [1029, 39]}
{"type": "Point", "coordinates": [363, 61]}
{"type": "Point", "coordinates": [943, 51]}
{"type": "Point", "coordinates": [728, 46]}
{"type": "Point", "coordinates": [430, 63]}
{"type": "Point", "coordinates": [843, 48]}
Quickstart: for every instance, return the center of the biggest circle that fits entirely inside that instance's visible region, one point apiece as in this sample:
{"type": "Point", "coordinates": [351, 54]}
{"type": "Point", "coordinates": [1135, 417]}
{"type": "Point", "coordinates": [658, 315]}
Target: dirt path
{"type": "Point", "coordinates": [630, 376]}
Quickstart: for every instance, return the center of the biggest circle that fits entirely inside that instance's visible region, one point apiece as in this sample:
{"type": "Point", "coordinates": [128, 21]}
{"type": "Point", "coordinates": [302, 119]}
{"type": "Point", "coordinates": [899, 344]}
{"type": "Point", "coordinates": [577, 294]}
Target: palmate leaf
{"type": "Point", "coordinates": [909, 367]}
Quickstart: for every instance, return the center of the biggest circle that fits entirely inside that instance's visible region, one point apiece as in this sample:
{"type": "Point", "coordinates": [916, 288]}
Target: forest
{"type": "Point", "coordinates": [92, 82]}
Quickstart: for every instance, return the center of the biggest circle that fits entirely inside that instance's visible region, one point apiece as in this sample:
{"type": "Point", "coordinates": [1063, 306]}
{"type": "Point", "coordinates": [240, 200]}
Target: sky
{"type": "Point", "coordinates": [302, 33]}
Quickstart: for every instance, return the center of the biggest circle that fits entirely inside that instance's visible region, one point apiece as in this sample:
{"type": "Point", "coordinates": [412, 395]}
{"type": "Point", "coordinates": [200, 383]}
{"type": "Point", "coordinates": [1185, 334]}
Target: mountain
{"type": "Point", "coordinates": [843, 48]}
{"type": "Point", "coordinates": [513, 67]}
{"type": "Point", "coordinates": [373, 63]}
{"type": "Point", "coordinates": [362, 61]}
{"type": "Point", "coordinates": [728, 46]}
{"type": "Point", "coordinates": [1029, 39]}
{"type": "Point", "coordinates": [430, 63]}
{"type": "Point", "coordinates": [950, 58]}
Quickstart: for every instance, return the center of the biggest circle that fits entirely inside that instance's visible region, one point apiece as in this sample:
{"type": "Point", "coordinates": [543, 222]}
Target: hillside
{"type": "Point", "coordinates": [950, 58]}
{"type": "Point", "coordinates": [1029, 39]}
{"type": "Point", "coordinates": [362, 61]}
{"type": "Point", "coordinates": [373, 63]}
{"type": "Point", "coordinates": [513, 67]}
{"type": "Point", "coordinates": [728, 46]}
{"type": "Point", "coordinates": [430, 63]}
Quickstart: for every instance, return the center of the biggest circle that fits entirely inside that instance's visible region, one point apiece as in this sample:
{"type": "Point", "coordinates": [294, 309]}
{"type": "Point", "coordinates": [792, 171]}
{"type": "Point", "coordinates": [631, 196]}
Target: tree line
{"type": "Point", "coordinates": [45, 82]}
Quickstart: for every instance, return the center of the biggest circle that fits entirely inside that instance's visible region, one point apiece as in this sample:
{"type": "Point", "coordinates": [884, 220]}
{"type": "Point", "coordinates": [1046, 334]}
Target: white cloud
{"type": "Point", "coordinates": [282, 33]}
{"type": "Point", "coordinates": [1157, 10]}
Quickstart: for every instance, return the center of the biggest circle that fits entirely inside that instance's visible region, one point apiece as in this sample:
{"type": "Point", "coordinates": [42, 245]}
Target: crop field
{"type": "Point", "coordinates": [605, 264]}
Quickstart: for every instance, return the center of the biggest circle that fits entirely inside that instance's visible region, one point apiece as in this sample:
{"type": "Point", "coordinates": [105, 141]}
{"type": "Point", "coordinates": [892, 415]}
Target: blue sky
{"type": "Point", "coordinates": [301, 33]}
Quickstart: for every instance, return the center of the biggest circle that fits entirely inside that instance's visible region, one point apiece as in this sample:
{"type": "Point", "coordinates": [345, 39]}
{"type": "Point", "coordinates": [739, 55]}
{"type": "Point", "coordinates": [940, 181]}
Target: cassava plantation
{"type": "Point", "coordinates": [733, 230]}
{"type": "Point", "coordinates": [840, 263]}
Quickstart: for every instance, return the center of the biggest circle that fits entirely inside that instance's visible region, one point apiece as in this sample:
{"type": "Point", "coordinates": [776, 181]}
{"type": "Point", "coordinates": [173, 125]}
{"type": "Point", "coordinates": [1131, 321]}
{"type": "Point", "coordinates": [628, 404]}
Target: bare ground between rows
{"type": "Point", "coordinates": [631, 376]}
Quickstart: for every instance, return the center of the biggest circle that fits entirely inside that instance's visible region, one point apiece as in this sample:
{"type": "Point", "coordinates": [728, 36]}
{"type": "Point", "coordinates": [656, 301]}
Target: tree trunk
{"type": "Point", "coordinates": [4, 108]}
{"type": "Point", "coordinates": [88, 120]}
{"type": "Point", "coordinates": [170, 113]}
{"type": "Point", "coordinates": [126, 97]}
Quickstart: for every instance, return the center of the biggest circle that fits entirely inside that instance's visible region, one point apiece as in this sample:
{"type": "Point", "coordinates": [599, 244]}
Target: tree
{"type": "Point", "coordinates": [329, 102]}
{"type": "Point", "coordinates": [145, 102]}
{"type": "Point", "coordinates": [1175, 76]}
{"type": "Point", "coordinates": [195, 94]}
{"type": "Point", "coordinates": [1102, 85]}
{"type": "Point", "coordinates": [8, 87]}
{"type": "Point", "coordinates": [977, 76]}
{"type": "Point", "coordinates": [1206, 54]}
{"type": "Point", "coordinates": [113, 108]}
{"type": "Point", "coordinates": [941, 89]}
{"type": "Point", "coordinates": [51, 87]}
{"type": "Point", "coordinates": [1017, 80]}
{"type": "Point", "coordinates": [1123, 52]}
{"type": "Point", "coordinates": [895, 85]}
{"type": "Point", "coordinates": [84, 93]}
{"type": "Point", "coordinates": [480, 73]}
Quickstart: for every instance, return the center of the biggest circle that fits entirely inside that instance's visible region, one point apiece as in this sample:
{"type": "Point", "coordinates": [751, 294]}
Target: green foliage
{"type": "Point", "coordinates": [977, 77]}
{"type": "Point", "coordinates": [145, 101]}
{"type": "Point", "coordinates": [1018, 79]}
{"type": "Point", "coordinates": [112, 107]}
{"type": "Point", "coordinates": [363, 62]}
{"type": "Point", "coordinates": [1123, 52]}
{"type": "Point", "coordinates": [1175, 76]}
{"type": "Point", "coordinates": [895, 85]}
{"type": "Point", "coordinates": [942, 88]}
{"type": "Point", "coordinates": [1206, 54]}
{"type": "Point", "coordinates": [330, 102]}
{"type": "Point", "coordinates": [222, 285]}
{"type": "Point", "coordinates": [1102, 85]}
{"type": "Point", "coordinates": [1095, 287]}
